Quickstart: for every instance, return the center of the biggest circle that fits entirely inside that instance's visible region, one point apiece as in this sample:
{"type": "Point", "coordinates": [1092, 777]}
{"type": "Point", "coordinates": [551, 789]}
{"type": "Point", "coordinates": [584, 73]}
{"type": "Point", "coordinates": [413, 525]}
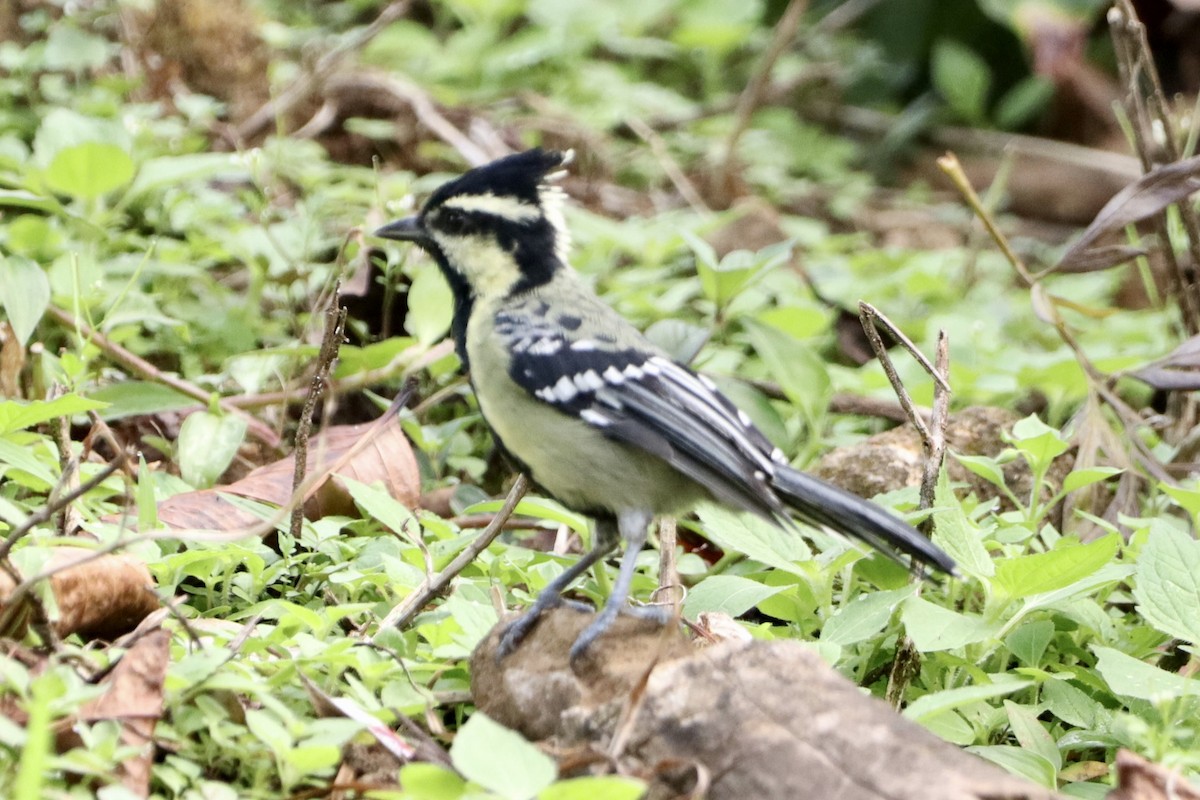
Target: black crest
{"type": "Point", "coordinates": [519, 175]}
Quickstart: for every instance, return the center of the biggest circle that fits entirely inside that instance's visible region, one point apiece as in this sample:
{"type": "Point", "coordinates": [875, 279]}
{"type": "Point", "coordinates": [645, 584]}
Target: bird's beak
{"type": "Point", "coordinates": [408, 229]}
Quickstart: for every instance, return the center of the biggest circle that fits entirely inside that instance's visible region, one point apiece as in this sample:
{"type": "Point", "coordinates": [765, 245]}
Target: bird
{"type": "Point", "coordinates": [600, 418]}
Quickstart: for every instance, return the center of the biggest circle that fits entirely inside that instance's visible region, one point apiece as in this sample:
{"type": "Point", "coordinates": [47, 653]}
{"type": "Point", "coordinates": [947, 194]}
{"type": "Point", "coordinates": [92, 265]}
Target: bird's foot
{"type": "Point", "coordinates": [516, 631]}
{"type": "Point", "coordinates": [660, 614]}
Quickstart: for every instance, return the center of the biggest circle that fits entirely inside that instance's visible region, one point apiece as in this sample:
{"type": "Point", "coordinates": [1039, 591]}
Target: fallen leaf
{"type": "Point", "coordinates": [1177, 371]}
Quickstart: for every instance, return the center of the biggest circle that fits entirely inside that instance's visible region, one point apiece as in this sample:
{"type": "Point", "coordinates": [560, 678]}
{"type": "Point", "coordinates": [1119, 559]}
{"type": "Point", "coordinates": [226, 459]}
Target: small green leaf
{"type": "Point", "coordinates": [422, 781]}
{"type": "Point", "coordinates": [1023, 102]}
{"type": "Point", "coordinates": [1127, 676]}
{"type": "Point", "coordinates": [863, 617]}
{"type": "Point", "coordinates": [430, 305]}
{"type": "Point", "coordinates": [25, 293]}
{"type": "Point", "coordinates": [16, 415]}
{"type": "Point", "coordinates": [801, 373]}
{"type": "Point", "coordinates": [206, 446]}
{"type": "Point", "coordinates": [1071, 704]}
{"type": "Point", "coordinates": [1038, 442]}
{"type": "Point", "coordinates": [984, 466]}
{"type": "Point", "coordinates": [755, 537]}
{"type": "Point", "coordinates": [1168, 582]}
{"type": "Point", "coordinates": [379, 505]}
{"type": "Point", "coordinates": [728, 594]}
{"type": "Point", "coordinates": [89, 170]}
{"type": "Point", "coordinates": [500, 760]}
{"type": "Point", "coordinates": [947, 699]}
{"type": "Point", "coordinates": [1029, 641]}
{"type": "Point", "coordinates": [1031, 733]}
{"type": "Point", "coordinates": [933, 628]}
{"type": "Point", "coordinates": [1067, 563]}
{"type": "Point", "coordinates": [1086, 477]}
{"type": "Point", "coordinates": [1021, 762]}
{"type": "Point", "coordinates": [601, 787]}
{"type": "Point", "coordinates": [957, 534]}
{"type": "Point", "coordinates": [132, 398]}
{"type": "Point", "coordinates": [962, 78]}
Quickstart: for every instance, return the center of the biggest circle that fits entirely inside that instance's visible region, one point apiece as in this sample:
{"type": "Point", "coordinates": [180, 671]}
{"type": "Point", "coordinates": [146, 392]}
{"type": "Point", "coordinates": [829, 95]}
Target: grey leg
{"type": "Point", "coordinates": [607, 536]}
{"type": "Point", "coordinates": [633, 526]}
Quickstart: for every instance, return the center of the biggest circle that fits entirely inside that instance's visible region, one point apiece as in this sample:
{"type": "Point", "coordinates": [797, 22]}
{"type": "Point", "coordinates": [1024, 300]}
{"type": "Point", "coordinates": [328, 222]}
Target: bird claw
{"type": "Point", "coordinates": [516, 631]}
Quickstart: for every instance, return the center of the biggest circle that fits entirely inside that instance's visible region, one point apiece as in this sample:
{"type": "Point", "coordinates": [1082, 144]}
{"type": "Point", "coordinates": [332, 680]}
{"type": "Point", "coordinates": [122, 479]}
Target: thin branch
{"type": "Point", "coordinates": [404, 613]}
{"type": "Point", "coordinates": [300, 88]}
{"type": "Point", "coordinates": [335, 326]}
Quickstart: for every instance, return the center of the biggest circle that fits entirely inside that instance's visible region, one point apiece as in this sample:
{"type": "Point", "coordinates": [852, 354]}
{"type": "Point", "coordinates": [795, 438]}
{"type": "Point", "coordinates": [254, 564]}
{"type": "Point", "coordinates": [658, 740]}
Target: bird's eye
{"type": "Point", "coordinates": [452, 221]}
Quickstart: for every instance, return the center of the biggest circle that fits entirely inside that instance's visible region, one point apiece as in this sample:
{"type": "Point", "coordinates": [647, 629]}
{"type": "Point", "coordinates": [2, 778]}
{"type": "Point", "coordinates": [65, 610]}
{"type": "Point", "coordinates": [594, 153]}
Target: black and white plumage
{"type": "Point", "coordinates": [602, 419]}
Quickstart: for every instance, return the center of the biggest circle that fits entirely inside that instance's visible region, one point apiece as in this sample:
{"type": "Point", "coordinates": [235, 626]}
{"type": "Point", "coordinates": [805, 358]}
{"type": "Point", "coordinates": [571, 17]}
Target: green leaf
{"type": "Point", "coordinates": [500, 760]}
{"type": "Point", "coordinates": [16, 415]}
{"type": "Point", "coordinates": [430, 305]}
{"type": "Point", "coordinates": [962, 78]}
{"type": "Point", "coordinates": [423, 781]}
{"type": "Point", "coordinates": [957, 534]}
{"type": "Point", "coordinates": [755, 537]}
{"type": "Point", "coordinates": [206, 446]}
{"type": "Point", "coordinates": [1031, 733]}
{"type": "Point", "coordinates": [1067, 563]}
{"type": "Point", "coordinates": [1086, 477]}
{"type": "Point", "coordinates": [728, 594]}
{"type": "Point", "coordinates": [863, 617]}
{"type": "Point", "coordinates": [23, 459]}
{"type": "Point", "coordinates": [1021, 762]}
{"type": "Point", "coordinates": [938, 702]}
{"type": "Point", "coordinates": [89, 170]}
{"type": "Point", "coordinates": [379, 505]}
{"type": "Point", "coordinates": [133, 398]}
{"type": "Point", "coordinates": [1029, 641]}
{"type": "Point", "coordinates": [933, 628]}
{"type": "Point", "coordinates": [1127, 676]}
{"type": "Point", "coordinates": [1168, 582]}
{"type": "Point", "coordinates": [984, 466]}
{"type": "Point", "coordinates": [801, 373]}
{"type": "Point", "coordinates": [25, 293]}
{"type": "Point", "coordinates": [1038, 442]}
{"type": "Point", "coordinates": [1071, 704]}
{"type": "Point", "coordinates": [1023, 102]}
{"type": "Point", "coordinates": [602, 787]}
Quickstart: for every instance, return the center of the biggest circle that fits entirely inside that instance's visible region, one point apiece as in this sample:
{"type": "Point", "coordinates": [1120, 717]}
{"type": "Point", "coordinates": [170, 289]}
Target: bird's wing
{"type": "Point", "coordinates": [641, 397]}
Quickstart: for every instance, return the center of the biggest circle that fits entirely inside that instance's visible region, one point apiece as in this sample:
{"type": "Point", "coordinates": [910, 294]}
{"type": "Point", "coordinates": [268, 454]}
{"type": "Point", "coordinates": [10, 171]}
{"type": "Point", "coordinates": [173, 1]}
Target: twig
{"type": "Point", "coordinates": [752, 95]}
{"type": "Point", "coordinates": [668, 577]}
{"type": "Point", "coordinates": [141, 366]}
{"type": "Point", "coordinates": [335, 325]}
{"type": "Point", "coordinates": [870, 316]}
{"type": "Point", "coordinates": [403, 614]}
{"type": "Point", "coordinates": [687, 189]}
{"type": "Point", "coordinates": [300, 88]}
{"type": "Point", "coordinates": [935, 446]}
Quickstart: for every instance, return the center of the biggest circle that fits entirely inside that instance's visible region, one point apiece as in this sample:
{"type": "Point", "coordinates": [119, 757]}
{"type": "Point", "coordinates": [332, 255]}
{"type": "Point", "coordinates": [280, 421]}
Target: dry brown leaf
{"type": "Point", "coordinates": [1178, 371]}
{"type": "Point", "coordinates": [101, 597]}
{"type": "Point", "coordinates": [1147, 196]}
{"type": "Point", "coordinates": [386, 458]}
{"type": "Point", "coordinates": [1139, 779]}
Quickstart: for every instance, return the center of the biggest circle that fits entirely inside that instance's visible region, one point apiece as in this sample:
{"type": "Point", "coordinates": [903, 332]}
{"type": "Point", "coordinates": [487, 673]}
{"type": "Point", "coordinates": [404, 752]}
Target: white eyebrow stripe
{"type": "Point", "coordinates": [503, 207]}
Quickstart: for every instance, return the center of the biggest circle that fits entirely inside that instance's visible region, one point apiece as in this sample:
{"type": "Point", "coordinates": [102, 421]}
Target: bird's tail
{"type": "Point", "coordinates": [821, 503]}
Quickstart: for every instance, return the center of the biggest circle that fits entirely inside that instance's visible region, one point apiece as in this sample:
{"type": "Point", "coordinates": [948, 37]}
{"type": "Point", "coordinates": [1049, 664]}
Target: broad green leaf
{"type": "Point", "coordinates": [89, 170]}
{"type": "Point", "coordinates": [946, 699]}
{"type": "Point", "coordinates": [1071, 704]}
{"type": "Point", "coordinates": [755, 537]}
{"type": "Point", "coordinates": [1187, 498]}
{"type": "Point", "coordinates": [728, 594]}
{"type": "Point", "coordinates": [1039, 442]}
{"type": "Point", "coordinates": [957, 534]}
{"type": "Point", "coordinates": [500, 760]}
{"type": "Point", "coordinates": [801, 373]}
{"type": "Point", "coordinates": [1168, 582]}
{"type": "Point", "coordinates": [1067, 563]}
{"type": "Point", "coordinates": [16, 415]}
{"type": "Point", "coordinates": [206, 446]}
{"type": "Point", "coordinates": [132, 398]}
{"type": "Point", "coordinates": [379, 505]}
{"type": "Point", "coordinates": [863, 617]}
{"type": "Point", "coordinates": [23, 459]}
{"type": "Point", "coordinates": [25, 293]}
{"type": "Point", "coordinates": [933, 628]}
{"type": "Point", "coordinates": [424, 781]}
{"type": "Point", "coordinates": [984, 466]}
{"type": "Point", "coordinates": [1127, 676]}
{"type": "Point", "coordinates": [1023, 102]}
{"type": "Point", "coordinates": [1086, 477]}
{"type": "Point", "coordinates": [1029, 641]}
{"type": "Point", "coordinates": [601, 787]}
{"type": "Point", "coordinates": [1031, 733]}
{"type": "Point", "coordinates": [538, 508]}
{"type": "Point", "coordinates": [430, 305]}
{"type": "Point", "coordinates": [1021, 762]}
{"type": "Point", "coordinates": [962, 78]}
